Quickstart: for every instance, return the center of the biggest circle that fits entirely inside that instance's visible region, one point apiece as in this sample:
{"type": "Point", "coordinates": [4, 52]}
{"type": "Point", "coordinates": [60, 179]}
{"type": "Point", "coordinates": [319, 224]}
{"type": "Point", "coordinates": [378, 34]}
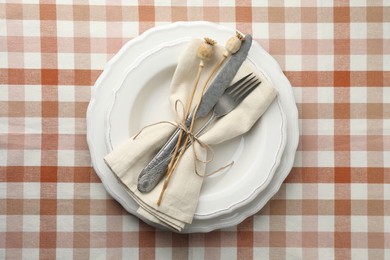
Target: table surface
{"type": "Point", "coordinates": [335, 203]}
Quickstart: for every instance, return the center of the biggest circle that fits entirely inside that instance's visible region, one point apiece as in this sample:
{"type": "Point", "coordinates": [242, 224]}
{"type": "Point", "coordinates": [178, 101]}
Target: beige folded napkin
{"type": "Point", "coordinates": [181, 197]}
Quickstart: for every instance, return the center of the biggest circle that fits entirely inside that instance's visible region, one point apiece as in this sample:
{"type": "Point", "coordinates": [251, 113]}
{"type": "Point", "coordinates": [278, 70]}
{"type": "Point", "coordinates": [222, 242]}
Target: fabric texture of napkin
{"type": "Point", "coordinates": [180, 199]}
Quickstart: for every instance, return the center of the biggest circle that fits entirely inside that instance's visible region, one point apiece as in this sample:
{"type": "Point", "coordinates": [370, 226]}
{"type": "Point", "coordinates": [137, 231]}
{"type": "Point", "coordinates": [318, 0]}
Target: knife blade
{"type": "Point", "coordinates": [156, 168]}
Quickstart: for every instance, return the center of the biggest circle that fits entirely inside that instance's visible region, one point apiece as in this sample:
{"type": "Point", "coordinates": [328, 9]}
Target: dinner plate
{"type": "Point", "coordinates": [141, 99]}
{"type": "Point", "coordinates": [140, 48]}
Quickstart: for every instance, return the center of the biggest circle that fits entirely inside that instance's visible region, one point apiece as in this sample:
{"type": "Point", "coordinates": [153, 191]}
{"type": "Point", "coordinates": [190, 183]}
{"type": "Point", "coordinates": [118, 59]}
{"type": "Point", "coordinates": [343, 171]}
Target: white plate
{"type": "Point", "coordinates": [136, 50]}
{"type": "Point", "coordinates": [142, 98]}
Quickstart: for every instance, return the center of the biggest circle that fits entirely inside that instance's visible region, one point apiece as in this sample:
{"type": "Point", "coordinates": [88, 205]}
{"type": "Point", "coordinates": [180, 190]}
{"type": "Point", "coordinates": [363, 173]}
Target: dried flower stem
{"type": "Point", "coordinates": [186, 113]}
{"type": "Point", "coordinates": [175, 160]}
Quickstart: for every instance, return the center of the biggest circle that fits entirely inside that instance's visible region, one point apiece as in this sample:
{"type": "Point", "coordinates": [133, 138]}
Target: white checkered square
{"type": "Point", "coordinates": [358, 62]}
{"type": "Point", "coordinates": [359, 253]}
{"type": "Point", "coordinates": [32, 157]}
{"type": "Point", "coordinates": [3, 60]}
{"type": "Point", "coordinates": [325, 159]}
{"type": "Point", "coordinates": [293, 31]}
{"type": "Point", "coordinates": [31, 223]}
{"type": "Point", "coordinates": [3, 190]}
{"type": "Point", "coordinates": [196, 252]}
{"type": "Point", "coordinates": [31, 28]}
{"type": "Point", "coordinates": [358, 30]}
{"type": "Point", "coordinates": [33, 125]}
{"type": "Point", "coordinates": [359, 224]}
{"type": "Point", "coordinates": [325, 95]}
{"type": "Point", "coordinates": [359, 191]}
{"type": "Point", "coordinates": [386, 94]}
{"type": "Point", "coordinates": [164, 253]}
{"type": "Point", "coordinates": [163, 3]}
{"type": "Point", "coordinates": [386, 128]}
{"type": "Point", "coordinates": [325, 31]}
{"type": "Point", "coordinates": [32, 60]}
{"type": "Point", "coordinates": [98, 61]}
{"type": "Point", "coordinates": [325, 126]}
{"type": "Point", "coordinates": [261, 222]}
{"type": "Point", "coordinates": [358, 158]}
{"type": "Point", "coordinates": [66, 61]}
{"type": "Point", "coordinates": [298, 162]}
{"type": "Point", "coordinates": [98, 223]}
{"type": "Point", "coordinates": [30, 253]}
{"type": "Point", "coordinates": [3, 92]}
{"type": "Point", "coordinates": [66, 93]}
{"type": "Point", "coordinates": [66, 157]}
{"type": "Point", "coordinates": [325, 223]}
{"type": "Point", "coordinates": [231, 252]}
{"type": "Point", "coordinates": [3, 157]}
{"type": "Point", "coordinates": [130, 223]}
{"type": "Point", "coordinates": [97, 29]}
{"type": "Point", "coordinates": [66, 125]}
{"type": "Point", "coordinates": [130, 29]}
{"type": "Point", "coordinates": [386, 162]}
{"type": "Point", "coordinates": [358, 126]}
{"type": "Point", "coordinates": [227, 3]}
{"type": "Point", "coordinates": [325, 62]}
{"type": "Point", "coordinates": [257, 3]}
{"type": "Point", "coordinates": [325, 191]}
{"type": "Point", "coordinates": [293, 253]}
{"type": "Point", "coordinates": [32, 190]}
{"type": "Point", "coordinates": [294, 223]}
{"type": "Point", "coordinates": [293, 63]}
{"type": "Point", "coordinates": [291, 3]}
{"type": "Point", "coordinates": [3, 125]}
{"type": "Point", "coordinates": [260, 31]}
{"type": "Point", "coordinates": [96, 253]}
{"type": "Point", "coordinates": [3, 24]}
{"type": "Point", "coordinates": [130, 251]}
{"type": "Point", "coordinates": [65, 191]}
{"type": "Point", "coordinates": [358, 95]}
{"type": "Point", "coordinates": [293, 191]}
{"type": "Point", "coordinates": [386, 62]}
{"type": "Point", "coordinates": [33, 93]}
{"type": "Point", "coordinates": [66, 253]}
{"type": "Point", "coordinates": [3, 222]}
{"type": "Point", "coordinates": [65, 28]}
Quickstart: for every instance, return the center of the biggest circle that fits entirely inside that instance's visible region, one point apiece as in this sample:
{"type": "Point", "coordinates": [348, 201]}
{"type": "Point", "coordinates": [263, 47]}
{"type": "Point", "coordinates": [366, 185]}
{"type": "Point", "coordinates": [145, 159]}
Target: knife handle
{"type": "Point", "coordinates": [155, 170]}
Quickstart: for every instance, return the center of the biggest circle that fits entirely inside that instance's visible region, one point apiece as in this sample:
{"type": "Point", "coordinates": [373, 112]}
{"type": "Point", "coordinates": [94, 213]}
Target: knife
{"type": "Point", "coordinates": [156, 169]}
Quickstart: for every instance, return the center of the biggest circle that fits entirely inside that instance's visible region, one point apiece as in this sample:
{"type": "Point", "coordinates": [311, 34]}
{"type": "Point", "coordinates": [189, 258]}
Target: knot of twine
{"type": "Point", "coordinates": [192, 137]}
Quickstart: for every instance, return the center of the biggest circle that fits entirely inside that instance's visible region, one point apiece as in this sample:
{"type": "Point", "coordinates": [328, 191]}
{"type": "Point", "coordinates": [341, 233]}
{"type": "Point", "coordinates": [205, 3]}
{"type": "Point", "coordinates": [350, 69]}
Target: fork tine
{"type": "Point", "coordinates": [238, 83]}
{"type": "Point", "coordinates": [233, 92]}
{"type": "Point", "coordinates": [247, 91]}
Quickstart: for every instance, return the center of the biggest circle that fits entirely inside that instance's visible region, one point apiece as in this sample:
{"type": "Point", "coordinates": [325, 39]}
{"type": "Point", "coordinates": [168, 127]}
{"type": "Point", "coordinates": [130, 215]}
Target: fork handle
{"type": "Point", "coordinates": [156, 169]}
{"type": "Point", "coordinates": [153, 172]}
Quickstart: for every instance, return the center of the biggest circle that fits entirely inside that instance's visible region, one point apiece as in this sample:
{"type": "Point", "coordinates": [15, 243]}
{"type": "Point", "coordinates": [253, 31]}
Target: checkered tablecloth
{"type": "Point", "coordinates": [335, 204]}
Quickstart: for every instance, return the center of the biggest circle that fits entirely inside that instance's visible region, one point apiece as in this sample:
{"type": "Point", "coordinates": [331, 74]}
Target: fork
{"type": "Point", "coordinates": [232, 97]}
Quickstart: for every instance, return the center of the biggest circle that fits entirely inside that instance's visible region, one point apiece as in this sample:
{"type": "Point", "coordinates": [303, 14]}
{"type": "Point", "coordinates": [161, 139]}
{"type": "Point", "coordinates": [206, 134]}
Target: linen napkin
{"type": "Point", "coordinates": [180, 199]}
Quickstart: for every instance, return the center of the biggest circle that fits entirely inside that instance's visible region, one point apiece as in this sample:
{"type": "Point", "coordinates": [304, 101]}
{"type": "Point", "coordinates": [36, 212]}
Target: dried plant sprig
{"type": "Point", "coordinates": [204, 52]}
{"type": "Point", "coordinates": [232, 46]}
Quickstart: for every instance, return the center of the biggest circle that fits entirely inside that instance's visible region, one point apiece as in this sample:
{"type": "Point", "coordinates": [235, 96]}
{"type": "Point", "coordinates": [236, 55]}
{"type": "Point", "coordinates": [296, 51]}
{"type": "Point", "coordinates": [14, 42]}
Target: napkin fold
{"type": "Point", "coordinates": [180, 199]}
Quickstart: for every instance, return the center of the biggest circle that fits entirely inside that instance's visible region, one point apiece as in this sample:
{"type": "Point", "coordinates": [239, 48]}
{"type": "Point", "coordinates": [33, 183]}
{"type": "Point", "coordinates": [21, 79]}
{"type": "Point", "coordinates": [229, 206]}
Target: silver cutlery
{"type": "Point", "coordinates": [230, 99]}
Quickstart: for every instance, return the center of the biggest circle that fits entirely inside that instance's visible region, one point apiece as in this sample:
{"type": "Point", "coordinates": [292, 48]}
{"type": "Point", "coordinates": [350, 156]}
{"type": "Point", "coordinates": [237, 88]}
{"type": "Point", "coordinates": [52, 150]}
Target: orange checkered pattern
{"type": "Point", "coordinates": [335, 204]}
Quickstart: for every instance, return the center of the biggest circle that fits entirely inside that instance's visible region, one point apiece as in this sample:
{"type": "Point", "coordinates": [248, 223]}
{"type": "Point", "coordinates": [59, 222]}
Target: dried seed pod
{"type": "Point", "coordinates": [233, 44]}
{"type": "Point", "coordinates": [206, 49]}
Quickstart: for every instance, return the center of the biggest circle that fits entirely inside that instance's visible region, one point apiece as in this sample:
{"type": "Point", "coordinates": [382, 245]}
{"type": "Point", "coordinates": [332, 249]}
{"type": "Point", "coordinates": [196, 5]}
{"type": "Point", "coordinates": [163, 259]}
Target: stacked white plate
{"type": "Point", "coordinates": [133, 92]}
